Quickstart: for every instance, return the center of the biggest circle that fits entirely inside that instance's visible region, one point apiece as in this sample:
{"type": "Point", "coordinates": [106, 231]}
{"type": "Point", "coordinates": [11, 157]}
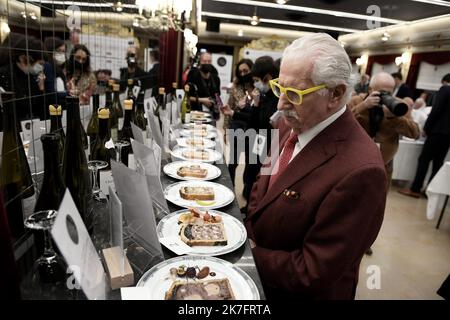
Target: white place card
{"type": "Point", "coordinates": [73, 241]}
{"type": "Point", "coordinates": [176, 245]}
{"type": "Point", "coordinates": [135, 293]}
{"type": "Point", "coordinates": [106, 181]}
{"type": "Point", "coordinates": [137, 207]}
{"type": "Point", "coordinates": [115, 210]}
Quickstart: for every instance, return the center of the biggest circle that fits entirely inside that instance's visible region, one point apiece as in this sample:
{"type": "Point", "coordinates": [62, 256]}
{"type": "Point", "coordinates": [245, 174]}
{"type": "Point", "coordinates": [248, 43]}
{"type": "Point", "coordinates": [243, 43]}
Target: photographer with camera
{"type": "Point", "coordinates": [384, 117]}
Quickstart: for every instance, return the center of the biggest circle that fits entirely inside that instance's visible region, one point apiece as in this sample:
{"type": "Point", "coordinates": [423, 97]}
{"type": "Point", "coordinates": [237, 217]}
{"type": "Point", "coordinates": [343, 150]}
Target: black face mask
{"type": "Point", "coordinates": [206, 68]}
{"type": "Point", "coordinates": [245, 78]}
{"type": "Point", "coordinates": [131, 61]}
{"type": "Point", "coordinates": [79, 66]}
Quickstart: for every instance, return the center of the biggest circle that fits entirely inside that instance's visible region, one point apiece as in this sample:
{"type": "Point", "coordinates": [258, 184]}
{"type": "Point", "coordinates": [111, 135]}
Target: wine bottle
{"type": "Point", "coordinates": [53, 187]}
{"type": "Point", "coordinates": [161, 105]}
{"type": "Point", "coordinates": [126, 132]}
{"type": "Point", "coordinates": [117, 105]}
{"type": "Point", "coordinates": [173, 93]}
{"type": "Point", "coordinates": [16, 180]}
{"type": "Point", "coordinates": [103, 148]}
{"type": "Point", "coordinates": [75, 169]}
{"type": "Point", "coordinates": [140, 120]}
{"type": "Point", "coordinates": [130, 94]}
{"type": "Point", "coordinates": [185, 106]}
{"type": "Point", "coordinates": [113, 120]}
{"type": "Point", "coordinates": [92, 128]}
{"type": "Point", "coordinates": [56, 127]}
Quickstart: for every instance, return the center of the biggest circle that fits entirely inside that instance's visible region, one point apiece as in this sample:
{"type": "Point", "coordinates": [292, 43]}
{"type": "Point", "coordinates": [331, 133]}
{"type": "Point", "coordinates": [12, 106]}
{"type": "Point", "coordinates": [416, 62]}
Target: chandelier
{"type": "Point", "coordinates": [164, 14]}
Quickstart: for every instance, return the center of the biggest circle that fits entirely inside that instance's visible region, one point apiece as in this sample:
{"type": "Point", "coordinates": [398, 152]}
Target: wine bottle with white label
{"type": "Point", "coordinates": [103, 148]}
{"type": "Point", "coordinates": [117, 105]}
{"type": "Point", "coordinates": [113, 119]}
{"type": "Point", "coordinates": [75, 169]}
{"type": "Point", "coordinates": [127, 133]}
{"type": "Point", "coordinates": [56, 127]}
{"type": "Point", "coordinates": [92, 128]}
{"type": "Point", "coordinates": [16, 181]}
{"type": "Point", "coordinates": [141, 120]}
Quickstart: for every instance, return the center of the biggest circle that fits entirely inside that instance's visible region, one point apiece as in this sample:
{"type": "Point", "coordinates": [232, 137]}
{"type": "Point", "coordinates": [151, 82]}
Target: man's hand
{"type": "Point", "coordinates": [372, 100]}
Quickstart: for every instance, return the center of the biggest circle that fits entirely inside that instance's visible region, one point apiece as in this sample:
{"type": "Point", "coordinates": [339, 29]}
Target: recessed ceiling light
{"type": "Point", "coordinates": [386, 36]}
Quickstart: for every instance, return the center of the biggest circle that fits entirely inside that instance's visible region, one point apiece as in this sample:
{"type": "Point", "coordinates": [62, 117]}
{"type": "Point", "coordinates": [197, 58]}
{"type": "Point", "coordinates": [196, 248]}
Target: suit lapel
{"type": "Point", "coordinates": [318, 151]}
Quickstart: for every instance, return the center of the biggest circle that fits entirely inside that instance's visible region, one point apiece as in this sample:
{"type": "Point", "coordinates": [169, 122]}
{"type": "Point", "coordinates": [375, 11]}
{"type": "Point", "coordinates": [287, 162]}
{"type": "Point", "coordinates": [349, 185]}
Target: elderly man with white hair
{"type": "Point", "coordinates": [315, 212]}
{"type": "Point", "coordinates": [380, 123]}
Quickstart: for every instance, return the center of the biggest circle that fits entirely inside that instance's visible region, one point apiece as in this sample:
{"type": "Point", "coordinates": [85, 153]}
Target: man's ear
{"type": "Point", "coordinates": [337, 93]}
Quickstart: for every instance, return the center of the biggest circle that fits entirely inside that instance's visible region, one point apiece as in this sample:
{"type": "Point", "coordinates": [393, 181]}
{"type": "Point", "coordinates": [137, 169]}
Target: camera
{"type": "Point", "coordinates": [398, 108]}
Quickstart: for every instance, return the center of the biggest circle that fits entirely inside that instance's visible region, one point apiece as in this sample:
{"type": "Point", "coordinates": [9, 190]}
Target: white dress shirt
{"type": "Point", "coordinates": [305, 137]}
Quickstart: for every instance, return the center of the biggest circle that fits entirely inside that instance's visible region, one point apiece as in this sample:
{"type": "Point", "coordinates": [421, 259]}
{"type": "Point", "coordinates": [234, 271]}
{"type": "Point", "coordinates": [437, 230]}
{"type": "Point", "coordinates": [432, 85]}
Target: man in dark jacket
{"type": "Point", "coordinates": [133, 71]}
{"type": "Point", "coordinates": [401, 90]}
{"type": "Point", "coordinates": [437, 129]}
{"type": "Point", "coordinates": [204, 84]}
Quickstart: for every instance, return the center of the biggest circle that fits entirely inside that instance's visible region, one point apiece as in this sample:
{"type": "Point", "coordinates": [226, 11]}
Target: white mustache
{"type": "Point", "coordinates": [290, 113]}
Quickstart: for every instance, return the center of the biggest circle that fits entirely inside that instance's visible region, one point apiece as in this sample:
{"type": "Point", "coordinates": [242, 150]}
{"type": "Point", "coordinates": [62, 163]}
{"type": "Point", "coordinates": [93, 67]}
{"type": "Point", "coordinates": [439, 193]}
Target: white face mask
{"type": "Point", "coordinates": [59, 58]}
{"type": "Point", "coordinates": [35, 69]}
{"type": "Point", "coordinates": [262, 87]}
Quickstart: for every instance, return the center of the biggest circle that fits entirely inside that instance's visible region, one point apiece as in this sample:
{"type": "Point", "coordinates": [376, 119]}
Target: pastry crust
{"type": "Point", "coordinates": [197, 193]}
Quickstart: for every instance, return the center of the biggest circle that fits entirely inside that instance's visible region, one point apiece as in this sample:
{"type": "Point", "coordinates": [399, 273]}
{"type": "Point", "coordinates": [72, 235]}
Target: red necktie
{"type": "Point", "coordinates": [286, 155]}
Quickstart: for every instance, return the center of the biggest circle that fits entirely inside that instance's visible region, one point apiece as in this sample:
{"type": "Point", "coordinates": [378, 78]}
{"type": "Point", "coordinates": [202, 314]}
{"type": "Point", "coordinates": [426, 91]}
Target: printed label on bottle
{"type": "Point", "coordinates": [106, 180]}
{"type": "Point", "coordinates": [114, 134]}
{"type": "Point", "coordinates": [121, 122]}
{"type": "Point", "coordinates": [28, 206]}
{"type": "Point", "coordinates": [109, 144]}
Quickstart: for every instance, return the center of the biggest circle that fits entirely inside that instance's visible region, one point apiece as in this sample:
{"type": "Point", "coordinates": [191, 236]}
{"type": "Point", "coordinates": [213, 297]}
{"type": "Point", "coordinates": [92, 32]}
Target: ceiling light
{"type": "Point", "coordinates": [33, 16]}
{"type": "Point", "coordinates": [24, 14]}
{"type": "Point", "coordinates": [255, 19]}
{"type": "Point", "coordinates": [298, 8]}
{"type": "Point", "coordinates": [118, 6]}
{"type": "Point", "coordinates": [281, 22]}
{"type": "Point", "coordinates": [240, 33]}
{"type": "Point", "coordinates": [135, 22]}
{"type": "Point", "coordinates": [386, 36]}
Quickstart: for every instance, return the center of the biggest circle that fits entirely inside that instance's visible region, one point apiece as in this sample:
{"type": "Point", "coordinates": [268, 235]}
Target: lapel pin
{"type": "Point", "coordinates": [291, 194]}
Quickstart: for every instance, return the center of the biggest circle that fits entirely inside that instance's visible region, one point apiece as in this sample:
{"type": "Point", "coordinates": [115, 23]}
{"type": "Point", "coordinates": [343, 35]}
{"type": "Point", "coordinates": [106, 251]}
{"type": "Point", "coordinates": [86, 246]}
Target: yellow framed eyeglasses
{"type": "Point", "coordinates": [294, 96]}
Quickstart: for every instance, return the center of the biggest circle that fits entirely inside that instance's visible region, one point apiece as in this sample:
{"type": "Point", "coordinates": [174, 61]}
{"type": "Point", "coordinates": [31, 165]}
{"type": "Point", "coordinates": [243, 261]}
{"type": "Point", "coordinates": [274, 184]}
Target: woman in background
{"type": "Point", "coordinates": [81, 81]}
{"type": "Point", "coordinates": [239, 100]}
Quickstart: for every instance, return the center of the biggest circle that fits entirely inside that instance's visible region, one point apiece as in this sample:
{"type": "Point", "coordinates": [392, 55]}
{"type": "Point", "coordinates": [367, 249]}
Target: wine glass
{"type": "Point", "coordinates": [94, 166]}
{"type": "Point", "coordinates": [49, 269]}
{"type": "Point", "coordinates": [120, 144]}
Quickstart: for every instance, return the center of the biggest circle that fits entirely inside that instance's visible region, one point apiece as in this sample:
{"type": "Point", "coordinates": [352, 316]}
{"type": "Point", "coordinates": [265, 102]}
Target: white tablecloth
{"type": "Point", "coordinates": [405, 160]}
{"type": "Point", "coordinates": [437, 190]}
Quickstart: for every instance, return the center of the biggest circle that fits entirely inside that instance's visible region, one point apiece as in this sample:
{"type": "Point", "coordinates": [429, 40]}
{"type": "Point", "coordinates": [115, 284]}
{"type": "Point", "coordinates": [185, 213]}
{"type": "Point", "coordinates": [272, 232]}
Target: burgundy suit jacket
{"type": "Point", "coordinates": [324, 211]}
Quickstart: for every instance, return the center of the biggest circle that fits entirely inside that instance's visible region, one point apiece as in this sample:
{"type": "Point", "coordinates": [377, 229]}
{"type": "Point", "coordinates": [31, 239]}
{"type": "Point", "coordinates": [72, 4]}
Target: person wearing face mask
{"type": "Point", "coordinates": [55, 79]}
{"type": "Point", "coordinates": [239, 100]}
{"type": "Point", "coordinates": [133, 71]}
{"type": "Point", "coordinates": [81, 81]}
{"type": "Point", "coordinates": [24, 76]}
{"type": "Point", "coordinates": [206, 84]}
{"type": "Point", "coordinates": [264, 105]}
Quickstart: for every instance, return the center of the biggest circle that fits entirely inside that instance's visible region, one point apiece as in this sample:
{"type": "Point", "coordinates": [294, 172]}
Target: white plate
{"type": "Point", "coordinates": [158, 279]}
{"type": "Point", "coordinates": [192, 133]}
{"type": "Point", "coordinates": [202, 120]}
{"type": "Point", "coordinates": [171, 170]}
{"type": "Point", "coordinates": [223, 195]}
{"type": "Point", "coordinates": [234, 229]}
{"type": "Point", "coordinates": [200, 113]}
{"type": "Point", "coordinates": [191, 126]}
{"type": "Point", "coordinates": [207, 143]}
{"type": "Point", "coordinates": [177, 154]}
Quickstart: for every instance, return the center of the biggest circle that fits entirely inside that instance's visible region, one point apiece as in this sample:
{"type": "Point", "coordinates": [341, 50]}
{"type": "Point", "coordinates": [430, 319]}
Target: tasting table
{"type": "Point", "coordinates": [241, 257]}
